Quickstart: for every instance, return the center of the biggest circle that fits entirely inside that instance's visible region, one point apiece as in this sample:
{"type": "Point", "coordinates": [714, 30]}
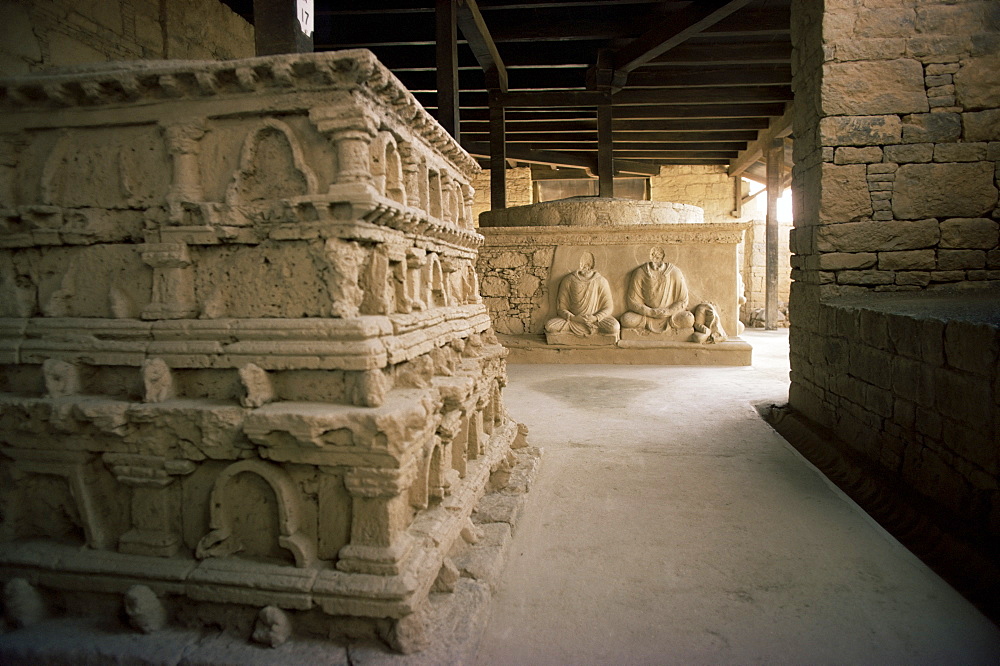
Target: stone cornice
{"type": "Point", "coordinates": [666, 234]}
{"type": "Point", "coordinates": [136, 83]}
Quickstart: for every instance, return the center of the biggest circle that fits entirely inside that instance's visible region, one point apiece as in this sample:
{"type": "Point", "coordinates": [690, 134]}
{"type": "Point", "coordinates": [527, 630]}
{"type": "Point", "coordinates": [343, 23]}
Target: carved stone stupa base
{"type": "Point", "coordinates": [245, 363]}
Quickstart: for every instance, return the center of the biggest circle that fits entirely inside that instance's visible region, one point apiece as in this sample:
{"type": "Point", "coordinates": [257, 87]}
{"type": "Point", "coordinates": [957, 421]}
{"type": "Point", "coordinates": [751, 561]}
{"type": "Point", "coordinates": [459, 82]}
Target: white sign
{"type": "Point", "coordinates": [304, 12]}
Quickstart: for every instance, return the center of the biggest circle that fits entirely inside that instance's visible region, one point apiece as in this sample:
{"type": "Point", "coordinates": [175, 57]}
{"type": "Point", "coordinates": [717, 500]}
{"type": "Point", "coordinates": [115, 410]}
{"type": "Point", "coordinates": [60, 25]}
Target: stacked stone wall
{"type": "Point", "coordinates": [707, 186]}
{"type": "Point", "coordinates": [897, 140]}
{"type": "Point", "coordinates": [518, 189]}
{"type": "Point", "coordinates": [37, 35]}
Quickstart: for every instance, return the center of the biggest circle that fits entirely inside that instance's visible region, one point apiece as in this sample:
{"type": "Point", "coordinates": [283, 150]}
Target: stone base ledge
{"type": "Point", "coordinates": [533, 349]}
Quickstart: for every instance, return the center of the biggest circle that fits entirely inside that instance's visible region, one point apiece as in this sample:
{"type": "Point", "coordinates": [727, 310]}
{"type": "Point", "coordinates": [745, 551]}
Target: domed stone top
{"type": "Point", "coordinates": [593, 211]}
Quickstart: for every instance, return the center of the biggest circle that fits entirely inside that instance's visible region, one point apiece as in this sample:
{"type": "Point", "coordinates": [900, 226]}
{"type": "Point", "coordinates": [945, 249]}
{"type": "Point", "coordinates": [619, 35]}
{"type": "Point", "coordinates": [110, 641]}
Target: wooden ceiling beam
{"type": "Point", "coordinates": [745, 53]}
{"type": "Point", "coordinates": [473, 27]}
{"type": "Point", "coordinates": [513, 135]}
{"type": "Point", "coordinates": [696, 76]}
{"type": "Point", "coordinates": [728, 146]}
{"type": "Point", "coordinates": [778, 127]}
{"type": "Point", "coordinates": [520, 154]}
{"type": "Point", "coordinates": [673, 31]}
{"type": "Point", "coordinates": [719, 95]}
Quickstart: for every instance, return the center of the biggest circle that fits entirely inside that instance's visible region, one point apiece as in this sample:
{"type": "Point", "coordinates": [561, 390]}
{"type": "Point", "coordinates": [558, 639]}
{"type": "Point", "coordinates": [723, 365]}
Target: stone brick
{"type": "Point", "coordinates": [871, 49]}
{"type": "Point", "coordinates": [971, 347]}
{"type": "Point", "coordinates": [981, 125]}
{"type": "Point", "coordinates": [845, 193]}
{"type": "Point", "coordinates": [993, 258]}
{"type": "Point", "coordinates": [869, 236]}
{"type": "Point", "coordinates": [872, 365]}
{"type": "Point", "coordinates": [947, 276]}
{"type": "Point", "coordinates": [885, 167]}
{"type": "Point", "coordinates": [907, 260]}
{"type": "Point", "coordinates": [937, 48]}
{"type": "Point", "coordinates": [944, 190]}
{"type": "Point", "coordinates": [913, 278]}
{"type": "Point", "coordinates": [851, 155]}
{"type": "Point", "coordinates": [935, 69]}
{"type": "Point", "coordinates": [939, 80]}
{"type": "Point", "coordinates": [508, 260]}
{"type": "Point", "coordinates": [943, 103]}
{"type": "Point", "coordinates": [873, 87]}
{"type": "Point", "coordinates": [906, 153]}
{"type": "Point", "coordinates": [977, 85]}
{"type": "Point", "coordinates": [835, 261]}
{"type": "Point", "coordinates": [931, 127]}
{"type": "Point", "coordinates": [494, 287]}
{"type": "Point", "coordinates": [961, 396]}
{"type": "Point", "coordinates": [881, 204]}
{"type": "Point", "coordinates": [993, 151]}
{"type": "Point", "coordinates": [951, 19]}
{"type": "Point", "coordinates": [881, 196]}
{"type": "Point", "coordinates": [960, 152]}
{"type": "Point", "coordinates": [885, 22]}
{"type": "Point", "coordinates": [869, 277]}
{"type": "Point", "coordinates": [860, 130]}
{"type": "Point", "coordinates": [527, 286]}
{"type": "Point", "coordinates": [950, 260]}
{"type": "Point", "coordinates": [946, 90]}
{"type": "Point", "coordinates": [932, 341]}
{"type": "Point", "coordinates": [969, 233]}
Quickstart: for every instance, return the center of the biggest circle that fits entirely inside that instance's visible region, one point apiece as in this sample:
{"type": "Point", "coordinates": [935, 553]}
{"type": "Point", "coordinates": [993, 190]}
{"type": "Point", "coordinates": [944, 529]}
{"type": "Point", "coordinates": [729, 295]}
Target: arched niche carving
{"type": "Point", "coordinates": [434, 194]}
{"type": "Point", "coordinates": [427, 484]}
{"type": "Point", "coordinates": [220, 542]}
{"type": "Point", "coordinates": [447, 201]}
{"type": "Point", "coordinates": [458, 205]}
{"type": "Point", "coordinates": [387, 167]}
{"type": "Point", "coordinates": [271, 166]}
{"type": "Point", "coordinates": [436, 282]}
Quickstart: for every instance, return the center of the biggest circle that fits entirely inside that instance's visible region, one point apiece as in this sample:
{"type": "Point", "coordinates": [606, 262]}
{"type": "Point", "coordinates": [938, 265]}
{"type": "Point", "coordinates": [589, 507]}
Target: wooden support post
{"type": "Point", "coordinates": [447, 66]}
{"type": "Point", "coordinates": [605, 153]}
{"type": "Point", "coordinates": [498, 152]}
{"type": "Point", "coordinates": [283, 26]}
{"type": "Point", "coordinates": [775, 164]}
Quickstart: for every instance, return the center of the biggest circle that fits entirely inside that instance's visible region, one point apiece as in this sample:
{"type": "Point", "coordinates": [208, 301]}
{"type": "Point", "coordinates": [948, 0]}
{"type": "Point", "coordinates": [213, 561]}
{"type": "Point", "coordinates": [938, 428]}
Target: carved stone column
{"type": "Point", "coordinates": [351, 130]}
{"type": "Point", "coordinates": [173, 281]}
{"type": "Point", "coordinates": [183, 145]}
{"type": "Point", "coordinates": [155, 502]}
{"type": "Point", "coordinates": [379, 543]}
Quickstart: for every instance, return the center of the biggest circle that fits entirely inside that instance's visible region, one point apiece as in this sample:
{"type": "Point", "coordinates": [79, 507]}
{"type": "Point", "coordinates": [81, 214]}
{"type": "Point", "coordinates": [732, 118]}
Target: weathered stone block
{"type": "Point", "coordinates": [960, 152]}
{"type": "Point", "coordinates": [877, 236]}
{"type": "Point", "coordinates": [950, 260]}
{"type": "Point", "coordinates": [931, 127]}
{"type": "Point", "coordinates": [873, 87]}
{"type": "Point", "coordinates": [906, 153]}
{"type": "Point", "coordinates": [850, 155]}
{"type": "Point", "coordinates": [971, 347]}
{"type": "Point", "coordinates": [835, 261]}
{"type": "Point", "coordinates": [907, 260]}
{"type": "Point", "coordinates": [913, 278]}
{"type": "Point", "coordinates": [977, 85]}
{"type": "Point", "coordinates": [871, 49]}
{"type": "Point", "coordinates": [944, 190]}
{"type": "Point", "coordinates": [968, 233]}
{"type": "Point", "coordinates": [860, 130]}
{"type": "Point", "coordinates": [845, 193]}
{"type": "Point", "coordinates": [869, 277]}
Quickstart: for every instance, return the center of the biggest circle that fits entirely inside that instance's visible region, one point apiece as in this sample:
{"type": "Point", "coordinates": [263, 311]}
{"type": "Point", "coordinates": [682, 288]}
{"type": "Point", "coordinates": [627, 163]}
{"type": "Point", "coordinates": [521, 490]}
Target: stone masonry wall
{"type": "Point", "coordinates": [897, 140]}
{"type": "Point", "coordinates": [518, 189]}
{"type": "Point", "coordinates": [708, 187]}
{"type": "Point", "coordinates": [37, 35]}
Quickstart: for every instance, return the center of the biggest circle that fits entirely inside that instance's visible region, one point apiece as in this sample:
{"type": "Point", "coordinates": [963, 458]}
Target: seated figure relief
{"type": "Point", "coordinates": [707, 325]}
{"type": "Point", "coordinates": [583, 304]}
{"type": "Point", "coordinates": [657, 297]}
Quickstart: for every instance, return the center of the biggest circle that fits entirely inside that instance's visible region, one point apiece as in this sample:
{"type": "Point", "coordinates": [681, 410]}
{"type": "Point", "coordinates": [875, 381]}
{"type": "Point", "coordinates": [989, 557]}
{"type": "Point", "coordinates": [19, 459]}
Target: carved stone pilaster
{"type": "Point", "coordinates": [173, 281]}
{"type": "Point", "coordinates": [379, 543]}
{"type": "Point", "coordinates": [156, 502]}
{"type": "Point", "coordinates": [351, 129]}
{"type": "Point", "coordinates": [183, 146]}
{"type": "Point", "coordinates": [415, 260]}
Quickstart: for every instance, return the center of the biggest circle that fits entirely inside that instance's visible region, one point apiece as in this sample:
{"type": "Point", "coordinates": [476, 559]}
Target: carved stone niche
{"type": "Point", "coordinates": [590, 280]}
{"type": "Point", "coordinates": [265, 375]}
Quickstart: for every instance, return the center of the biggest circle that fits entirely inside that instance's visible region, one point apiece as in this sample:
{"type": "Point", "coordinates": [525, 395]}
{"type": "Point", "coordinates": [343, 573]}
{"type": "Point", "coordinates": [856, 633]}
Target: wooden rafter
{"type": "Point", "coordinates": [473, 27]}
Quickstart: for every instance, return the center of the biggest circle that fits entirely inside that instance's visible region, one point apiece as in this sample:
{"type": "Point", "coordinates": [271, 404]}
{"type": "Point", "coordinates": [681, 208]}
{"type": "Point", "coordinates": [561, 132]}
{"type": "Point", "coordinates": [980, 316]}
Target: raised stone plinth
{"type": "Point", "coordinates": [531, 251]}
{"type": "Point", "coordinates": [245, 360]}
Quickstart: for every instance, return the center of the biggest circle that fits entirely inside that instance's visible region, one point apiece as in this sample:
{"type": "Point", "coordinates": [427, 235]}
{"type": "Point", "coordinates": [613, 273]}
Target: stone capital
{"type": "Point", "coordinates": [374, 482]}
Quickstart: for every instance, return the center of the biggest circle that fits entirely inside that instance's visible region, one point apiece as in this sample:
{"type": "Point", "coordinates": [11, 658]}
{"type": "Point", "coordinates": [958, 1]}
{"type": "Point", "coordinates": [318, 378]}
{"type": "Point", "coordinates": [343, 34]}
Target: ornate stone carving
{"type": "Point", "coordinates": [583, 308]}
{"type": "Point", "coordinates": [144, 609]}
{"type": "Point", "coordinates": [61, 378]}
{"type": "Point", "coordinates": [157, 381]}
{"type": "Point", "coordinates": [707, 324]}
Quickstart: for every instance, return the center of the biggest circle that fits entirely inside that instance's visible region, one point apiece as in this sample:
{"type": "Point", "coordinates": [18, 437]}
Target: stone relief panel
{"type": "Point", "coordinates": [583, 308]}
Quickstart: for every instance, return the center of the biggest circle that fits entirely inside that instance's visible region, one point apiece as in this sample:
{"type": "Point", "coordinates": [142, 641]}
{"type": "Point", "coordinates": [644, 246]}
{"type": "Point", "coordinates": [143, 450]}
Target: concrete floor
{"type": "Point", "coordinates": [671, 525]}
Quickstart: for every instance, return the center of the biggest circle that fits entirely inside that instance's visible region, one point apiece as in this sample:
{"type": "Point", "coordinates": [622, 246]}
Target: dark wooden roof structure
{"type": "Point", "coordinates": [672, 81]}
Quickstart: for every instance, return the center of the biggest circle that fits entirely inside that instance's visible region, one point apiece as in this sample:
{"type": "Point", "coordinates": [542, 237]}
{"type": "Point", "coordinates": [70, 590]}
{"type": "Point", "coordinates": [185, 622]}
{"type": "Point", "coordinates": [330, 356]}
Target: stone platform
{"type": "Point", "coordinates": [534, 349]}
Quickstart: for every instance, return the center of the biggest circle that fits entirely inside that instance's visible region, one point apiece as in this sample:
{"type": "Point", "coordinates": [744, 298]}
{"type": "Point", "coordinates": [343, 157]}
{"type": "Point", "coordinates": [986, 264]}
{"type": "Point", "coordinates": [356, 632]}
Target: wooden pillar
{"type": "Point", "coordinates": [605, 152]}
{"type": "Point", "coordinates": [775, 160]}
{"type": "Point", "coordinates": [498, 151]}
{"type": "Point", "coordinates": [283, 26]}
{"type": "Point", "coordinates": [447, 66]}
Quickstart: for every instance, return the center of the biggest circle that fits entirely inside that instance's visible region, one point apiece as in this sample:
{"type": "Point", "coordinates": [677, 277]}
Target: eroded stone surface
{"type": "Point", "coordinates": [253, 369]}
